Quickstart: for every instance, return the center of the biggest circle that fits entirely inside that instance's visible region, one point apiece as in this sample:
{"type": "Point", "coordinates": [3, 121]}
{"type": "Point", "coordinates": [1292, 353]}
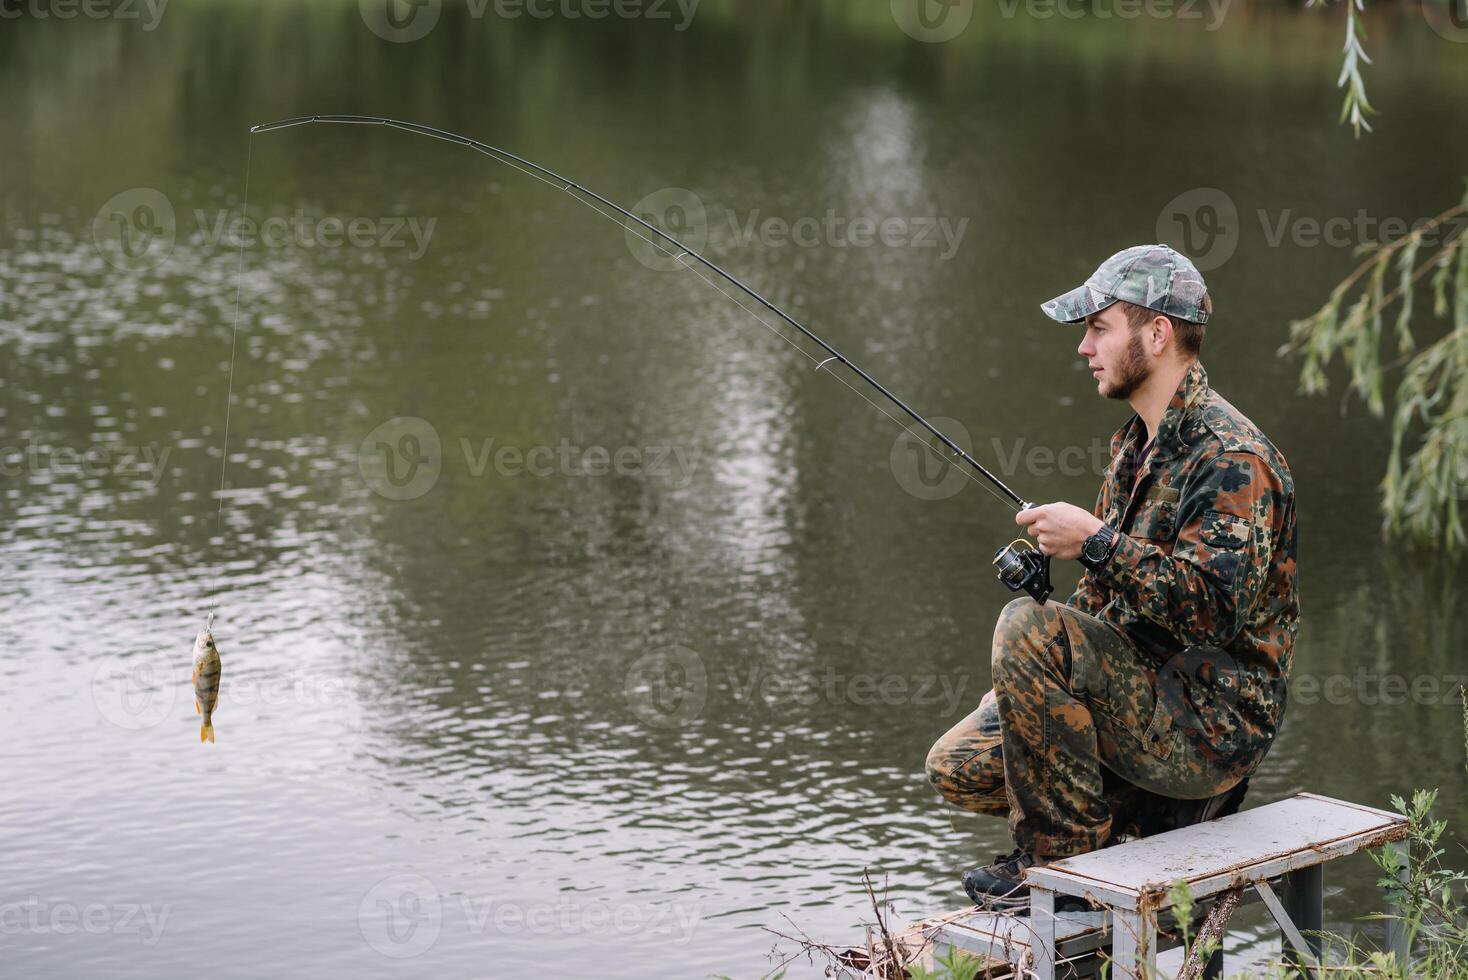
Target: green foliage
{"type": "Point", "coordinates": [1428, 902]}
{"type": "Point", "coordinates": [1426, 480]}
{"type": "Point", "coordinates": [1355, 106]}
{"type": "Point", "coordinates": [957, 965]}
{"type": "Point", "coordinates": [1181, 898]}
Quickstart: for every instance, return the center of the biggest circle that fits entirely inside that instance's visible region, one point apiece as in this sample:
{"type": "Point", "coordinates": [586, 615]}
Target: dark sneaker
{"type": "Point", "coordinates": [1001, 885]}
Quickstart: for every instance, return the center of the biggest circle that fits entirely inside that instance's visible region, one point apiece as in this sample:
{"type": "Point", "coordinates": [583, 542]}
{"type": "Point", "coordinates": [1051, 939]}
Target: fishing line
{"type": "Point", "coordinates": [581, 193]}
{"type": "Point", "coordinates": [239, 277]}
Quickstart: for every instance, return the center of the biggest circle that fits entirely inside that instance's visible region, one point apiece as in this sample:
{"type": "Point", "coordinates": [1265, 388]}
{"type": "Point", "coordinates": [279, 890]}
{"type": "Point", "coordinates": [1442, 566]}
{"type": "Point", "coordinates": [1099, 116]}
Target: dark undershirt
{"type": "Point", "coordinates": [1135, 463]}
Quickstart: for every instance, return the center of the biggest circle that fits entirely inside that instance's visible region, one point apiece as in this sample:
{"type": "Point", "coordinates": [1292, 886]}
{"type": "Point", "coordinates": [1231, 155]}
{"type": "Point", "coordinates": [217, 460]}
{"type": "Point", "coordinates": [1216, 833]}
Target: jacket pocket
{"type": "Point", "coordinates": [1223, 547]}
{"type": "Point", "coordinates": [1225, 531]}
{"type": "Point", "coordinates": [1156, 521]}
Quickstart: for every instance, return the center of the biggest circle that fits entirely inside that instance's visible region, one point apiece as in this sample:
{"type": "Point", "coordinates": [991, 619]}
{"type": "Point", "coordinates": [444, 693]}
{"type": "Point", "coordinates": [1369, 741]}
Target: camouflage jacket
{"type": "Point", "coordinates": [1205, 561]}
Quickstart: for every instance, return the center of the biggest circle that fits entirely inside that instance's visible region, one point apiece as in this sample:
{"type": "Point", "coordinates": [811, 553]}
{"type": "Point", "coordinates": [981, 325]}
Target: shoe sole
{"type": "Point", "coordinates": [1003, 903]}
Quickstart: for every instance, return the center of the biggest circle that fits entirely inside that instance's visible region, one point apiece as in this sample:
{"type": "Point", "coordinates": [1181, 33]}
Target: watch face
{"type": "Point", "coordinates": [1095, 548]}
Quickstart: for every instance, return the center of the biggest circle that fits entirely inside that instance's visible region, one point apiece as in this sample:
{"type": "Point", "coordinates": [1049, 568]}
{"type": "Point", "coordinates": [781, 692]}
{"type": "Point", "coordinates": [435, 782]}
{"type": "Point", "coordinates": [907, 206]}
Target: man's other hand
{"type": "Point", "coordinates": [1059, 529]}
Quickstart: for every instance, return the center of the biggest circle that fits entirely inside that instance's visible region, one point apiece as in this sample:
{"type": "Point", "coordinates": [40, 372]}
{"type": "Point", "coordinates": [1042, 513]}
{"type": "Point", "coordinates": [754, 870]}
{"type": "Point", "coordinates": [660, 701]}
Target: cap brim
{"type": "Point", "coordinates": [1076, 305]}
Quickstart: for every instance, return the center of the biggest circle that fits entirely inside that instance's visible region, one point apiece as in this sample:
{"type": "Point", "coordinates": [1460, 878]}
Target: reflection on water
{"type": "Point", "coordinates": [647, 652]}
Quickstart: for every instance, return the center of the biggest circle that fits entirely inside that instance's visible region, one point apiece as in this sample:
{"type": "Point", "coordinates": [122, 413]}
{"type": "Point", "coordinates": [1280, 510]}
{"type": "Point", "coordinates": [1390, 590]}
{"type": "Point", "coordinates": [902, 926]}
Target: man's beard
{"type": "Point", "coordinates": [1132, 372]}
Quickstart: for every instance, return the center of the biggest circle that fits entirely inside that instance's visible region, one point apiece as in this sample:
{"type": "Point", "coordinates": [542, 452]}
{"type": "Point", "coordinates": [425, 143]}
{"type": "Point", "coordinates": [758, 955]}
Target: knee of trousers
{"type": "Point", "coordinates": [939, 764]}
{"type": "Point", "coordinates": [1024, 643]}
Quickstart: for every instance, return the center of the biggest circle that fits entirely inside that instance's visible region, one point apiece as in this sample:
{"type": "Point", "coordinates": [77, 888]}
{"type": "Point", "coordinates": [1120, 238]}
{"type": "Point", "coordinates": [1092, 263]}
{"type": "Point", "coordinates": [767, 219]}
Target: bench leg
{"type": "Point", "coordinates": [1133, 945]}
{"type": "Point", "coordinates": [1213, 970]}
{"type": "Point", "coordinates": [1303, 898]}
{"type": "Point", "coordinates": [1042, 925]}
{"type": "Point", "coordinates": [1396, 933]}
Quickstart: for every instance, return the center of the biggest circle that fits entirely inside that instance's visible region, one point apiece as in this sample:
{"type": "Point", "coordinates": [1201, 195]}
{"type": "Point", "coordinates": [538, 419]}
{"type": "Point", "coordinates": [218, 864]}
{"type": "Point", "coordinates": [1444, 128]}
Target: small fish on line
{"type": "Point", "coordinates": [206, 682]}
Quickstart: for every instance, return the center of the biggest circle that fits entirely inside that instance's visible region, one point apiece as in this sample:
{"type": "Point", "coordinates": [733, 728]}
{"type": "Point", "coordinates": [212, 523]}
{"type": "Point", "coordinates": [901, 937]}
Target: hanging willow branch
{"type": "Point", "coordinates": [1355, 106]}
{"type": "Point", "coordinates": [1426, 481]}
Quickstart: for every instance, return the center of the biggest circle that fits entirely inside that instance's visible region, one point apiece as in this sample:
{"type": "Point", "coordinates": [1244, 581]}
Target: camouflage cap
{"type": "Point", "coordinates": [1155, 276]}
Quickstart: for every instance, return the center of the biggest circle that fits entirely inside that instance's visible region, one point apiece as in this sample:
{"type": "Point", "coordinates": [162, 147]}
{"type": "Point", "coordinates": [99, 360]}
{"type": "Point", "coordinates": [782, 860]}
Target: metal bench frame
{"type": "Point", "coordinates": [1128, 910]}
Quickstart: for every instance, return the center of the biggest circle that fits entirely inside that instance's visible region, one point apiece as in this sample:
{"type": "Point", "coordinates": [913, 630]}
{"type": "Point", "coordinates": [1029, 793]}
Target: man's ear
{"type": "Point", "coordinates": [1160, 334]}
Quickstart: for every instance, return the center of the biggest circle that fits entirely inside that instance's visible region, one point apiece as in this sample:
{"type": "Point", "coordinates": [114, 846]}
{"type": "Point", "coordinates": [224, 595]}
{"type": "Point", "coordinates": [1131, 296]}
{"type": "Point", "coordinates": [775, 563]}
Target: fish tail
{"type": "Point", "coordinates": [206, 731]}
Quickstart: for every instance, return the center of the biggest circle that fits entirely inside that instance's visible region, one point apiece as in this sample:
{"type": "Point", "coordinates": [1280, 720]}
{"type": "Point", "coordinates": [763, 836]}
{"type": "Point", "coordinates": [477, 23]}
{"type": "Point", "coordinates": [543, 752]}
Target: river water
{"type": "Point", "coordinates": [571, 623]}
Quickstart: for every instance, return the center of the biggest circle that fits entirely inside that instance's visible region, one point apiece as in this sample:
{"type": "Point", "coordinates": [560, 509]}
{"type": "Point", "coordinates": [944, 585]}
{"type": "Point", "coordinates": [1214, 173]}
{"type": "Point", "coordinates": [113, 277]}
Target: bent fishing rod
{"type": "Point", "coordinates": [1022, 567]}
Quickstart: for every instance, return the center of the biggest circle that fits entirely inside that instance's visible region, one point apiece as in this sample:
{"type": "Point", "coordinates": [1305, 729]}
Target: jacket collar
{"type": "Point", "coordinates": [1184, 401]}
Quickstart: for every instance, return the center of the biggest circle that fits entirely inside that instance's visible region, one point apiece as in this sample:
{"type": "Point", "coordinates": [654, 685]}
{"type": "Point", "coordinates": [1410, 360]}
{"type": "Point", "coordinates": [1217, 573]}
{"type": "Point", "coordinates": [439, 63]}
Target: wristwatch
{"type": "Point", "coordinates": [1096, 550]}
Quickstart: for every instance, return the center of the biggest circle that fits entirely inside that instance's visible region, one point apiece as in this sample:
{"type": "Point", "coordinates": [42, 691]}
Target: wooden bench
{"type": "Point", "coordinates": [1127, 885]}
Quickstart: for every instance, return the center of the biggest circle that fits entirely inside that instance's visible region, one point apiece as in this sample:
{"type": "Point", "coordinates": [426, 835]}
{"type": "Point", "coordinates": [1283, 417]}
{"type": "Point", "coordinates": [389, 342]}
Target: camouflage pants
{"type": "Point", "coordinates": [1071, 695]}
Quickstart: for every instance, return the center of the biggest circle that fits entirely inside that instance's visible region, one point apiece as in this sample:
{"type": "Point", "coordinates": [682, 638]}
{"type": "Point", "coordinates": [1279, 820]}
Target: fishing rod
{"type": "Point", "coordinates": [1022, 567]}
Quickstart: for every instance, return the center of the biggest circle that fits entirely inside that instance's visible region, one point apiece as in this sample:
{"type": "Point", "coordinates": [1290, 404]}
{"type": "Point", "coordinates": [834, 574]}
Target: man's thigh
{"type": "Point", "coordinates": [1141, 737]}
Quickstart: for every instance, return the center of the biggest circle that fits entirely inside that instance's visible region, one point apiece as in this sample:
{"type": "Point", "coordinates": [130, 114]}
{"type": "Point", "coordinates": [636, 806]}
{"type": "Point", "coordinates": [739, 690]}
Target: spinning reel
{"type": "Point", "coordinates": [1024, 568]}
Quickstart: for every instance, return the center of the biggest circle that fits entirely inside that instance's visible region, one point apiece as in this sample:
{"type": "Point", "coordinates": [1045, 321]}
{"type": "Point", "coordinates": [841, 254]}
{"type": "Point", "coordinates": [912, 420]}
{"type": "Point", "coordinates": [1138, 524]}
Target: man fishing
{"type": "Point", "coordinates": [1166, 669]}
